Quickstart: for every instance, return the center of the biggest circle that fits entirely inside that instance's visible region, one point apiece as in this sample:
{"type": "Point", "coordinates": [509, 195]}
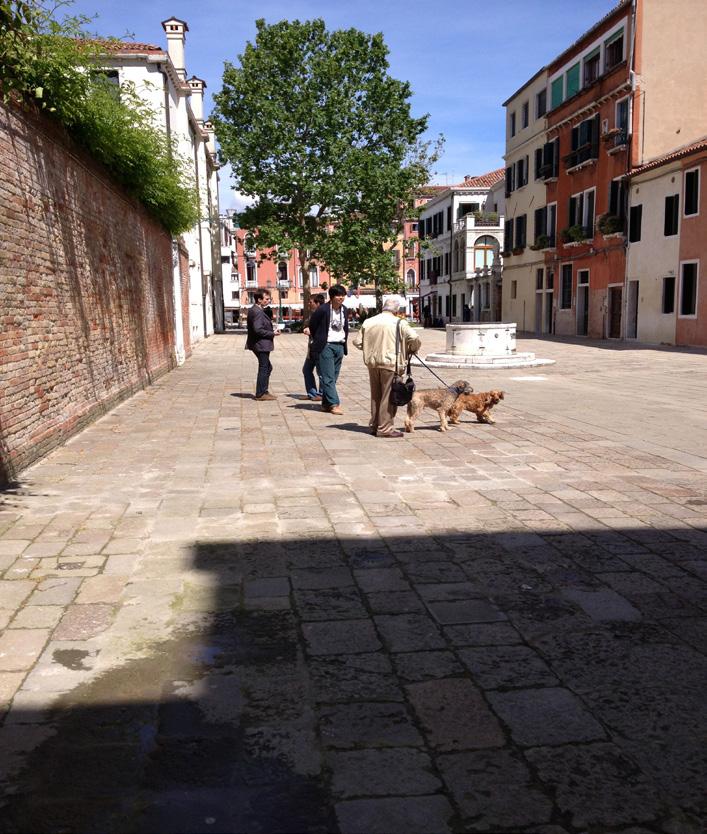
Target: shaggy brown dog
{"type": "Point", "coordinates": [439, 399]}
{"type": "Point", "coordinates": [480, 404]}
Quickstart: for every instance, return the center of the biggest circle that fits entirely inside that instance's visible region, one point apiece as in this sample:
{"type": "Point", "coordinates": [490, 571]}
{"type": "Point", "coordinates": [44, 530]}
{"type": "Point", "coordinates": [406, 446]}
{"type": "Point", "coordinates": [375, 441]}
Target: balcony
{"type": "Point", "coordinates": [581, 157]}
{"type": "Point", "coordinates": [548, 171]}
{"type": "Point", "coordinates": [478, 220]}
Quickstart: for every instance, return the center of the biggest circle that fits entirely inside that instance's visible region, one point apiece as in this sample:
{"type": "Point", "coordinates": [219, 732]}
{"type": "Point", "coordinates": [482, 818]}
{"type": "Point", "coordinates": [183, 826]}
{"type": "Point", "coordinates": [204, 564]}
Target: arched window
{"type": "Point", "coordinates": [485, 251]}
{"type": "Point", "coordinates": [282, 272]}
{"type": "Point", "coordinates": [301, 277]}
{"type": "Point", "coordinates": [250, 272]}
{"type": "Point", "coordinates": [313, 276]}
{"type": "Point", "coordinates": [410, 277]}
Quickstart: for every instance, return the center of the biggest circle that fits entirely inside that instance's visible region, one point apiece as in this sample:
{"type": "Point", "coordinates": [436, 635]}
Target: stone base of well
{"type": "Point", "coordinates": [483, 346]}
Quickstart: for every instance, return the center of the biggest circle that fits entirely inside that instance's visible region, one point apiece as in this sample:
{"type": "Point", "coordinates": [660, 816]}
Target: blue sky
{"type": "Point", "coordinates": [462, 59]}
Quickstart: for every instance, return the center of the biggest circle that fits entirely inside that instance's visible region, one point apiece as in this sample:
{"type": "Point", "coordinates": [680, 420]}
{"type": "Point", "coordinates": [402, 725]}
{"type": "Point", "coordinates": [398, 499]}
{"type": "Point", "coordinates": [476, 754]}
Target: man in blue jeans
{"type": "Point", "coordinates": [329, 332]}
{"type": "Point", "coordinates": [310, 384]}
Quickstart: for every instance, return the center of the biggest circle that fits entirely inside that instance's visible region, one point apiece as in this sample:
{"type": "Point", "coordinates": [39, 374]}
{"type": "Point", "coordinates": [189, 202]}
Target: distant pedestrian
{"type": "Point", "coordinates": [377, 339]}
{"type": "Point", "coordinates": [314, 391]}
{"type": "Point", "coordinates": [329, 329]}
{"type": "Point", "coordinates": [260, 339]}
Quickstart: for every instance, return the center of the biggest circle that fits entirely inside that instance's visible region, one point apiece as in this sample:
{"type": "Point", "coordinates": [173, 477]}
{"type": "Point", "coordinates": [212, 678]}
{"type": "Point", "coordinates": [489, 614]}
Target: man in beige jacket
{"type": "Point", "coordinates": [376, 339]}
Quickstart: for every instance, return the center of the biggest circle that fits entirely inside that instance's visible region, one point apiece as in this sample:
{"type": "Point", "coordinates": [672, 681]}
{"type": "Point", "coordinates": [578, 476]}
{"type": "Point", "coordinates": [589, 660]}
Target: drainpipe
{"type": "Point", "coordinates": [629, 161]}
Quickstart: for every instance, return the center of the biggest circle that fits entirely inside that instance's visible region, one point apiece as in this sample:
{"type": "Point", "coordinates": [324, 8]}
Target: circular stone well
{"type": "Point", "coordinates": [491, 345]}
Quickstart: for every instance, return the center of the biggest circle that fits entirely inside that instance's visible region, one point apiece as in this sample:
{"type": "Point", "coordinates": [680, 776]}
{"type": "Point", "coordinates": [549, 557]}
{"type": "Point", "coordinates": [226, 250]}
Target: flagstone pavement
{"type": "Point", "coordinates": [223, 615]}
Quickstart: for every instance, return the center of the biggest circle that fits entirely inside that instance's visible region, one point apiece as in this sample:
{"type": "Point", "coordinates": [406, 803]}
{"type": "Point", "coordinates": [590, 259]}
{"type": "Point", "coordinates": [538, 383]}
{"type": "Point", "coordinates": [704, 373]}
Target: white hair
{"type": "Point", "coordinates": [392, 304]}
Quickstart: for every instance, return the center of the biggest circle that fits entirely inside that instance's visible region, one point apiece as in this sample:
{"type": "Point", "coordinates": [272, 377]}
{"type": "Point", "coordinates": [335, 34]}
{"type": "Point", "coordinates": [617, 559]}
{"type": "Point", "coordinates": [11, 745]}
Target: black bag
{"type": "Point", "coordinates": [401, 390]}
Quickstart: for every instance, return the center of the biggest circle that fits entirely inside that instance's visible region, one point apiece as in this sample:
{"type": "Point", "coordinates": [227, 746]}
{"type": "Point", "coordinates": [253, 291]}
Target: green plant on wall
{"type": "Point", "coordinates": [53, 65]}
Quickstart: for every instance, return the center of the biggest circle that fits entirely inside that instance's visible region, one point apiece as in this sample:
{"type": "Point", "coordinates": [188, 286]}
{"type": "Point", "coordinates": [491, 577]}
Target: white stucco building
{"type": "Point", "coordinates": [460, 254]}
{"type": "Point", "coordinates": [159, 78]}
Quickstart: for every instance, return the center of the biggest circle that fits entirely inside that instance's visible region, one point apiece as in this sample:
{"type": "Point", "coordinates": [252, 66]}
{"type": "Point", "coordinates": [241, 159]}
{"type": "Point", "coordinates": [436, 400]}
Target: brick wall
{"type": "Point", "coordinates": [86, 306]}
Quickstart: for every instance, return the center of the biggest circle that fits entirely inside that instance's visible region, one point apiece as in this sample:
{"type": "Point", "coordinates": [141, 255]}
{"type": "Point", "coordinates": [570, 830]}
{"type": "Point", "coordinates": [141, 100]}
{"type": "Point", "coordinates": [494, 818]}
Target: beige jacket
{"type": "Point", "coordinates": [376, 339]}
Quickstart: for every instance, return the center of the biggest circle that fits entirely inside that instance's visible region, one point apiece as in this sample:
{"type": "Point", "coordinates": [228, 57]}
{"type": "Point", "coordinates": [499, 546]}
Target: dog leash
{"type": "Point", "coordinates": [425, 365]}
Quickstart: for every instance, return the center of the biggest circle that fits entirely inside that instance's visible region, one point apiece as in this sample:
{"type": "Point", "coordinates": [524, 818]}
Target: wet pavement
{"type": "Point", "coordinates": [221, 615]}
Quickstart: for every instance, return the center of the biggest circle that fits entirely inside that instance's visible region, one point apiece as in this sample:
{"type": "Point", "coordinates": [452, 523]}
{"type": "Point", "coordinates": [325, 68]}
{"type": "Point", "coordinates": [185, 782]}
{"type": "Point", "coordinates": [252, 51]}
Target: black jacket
{"type": "Point", "coordinates": [260, 330]}
{"type": "Point", "coordinates": [319, 329]}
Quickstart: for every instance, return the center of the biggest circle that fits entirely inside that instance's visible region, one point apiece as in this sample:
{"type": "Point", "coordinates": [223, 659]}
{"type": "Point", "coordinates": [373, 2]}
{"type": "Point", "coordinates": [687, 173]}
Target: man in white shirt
{"type": "Point", "coordinates": [329, 331]}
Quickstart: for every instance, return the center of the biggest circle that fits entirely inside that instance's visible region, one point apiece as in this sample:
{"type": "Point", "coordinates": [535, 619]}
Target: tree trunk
{"type": "Point", "coordinates": [306, 291]}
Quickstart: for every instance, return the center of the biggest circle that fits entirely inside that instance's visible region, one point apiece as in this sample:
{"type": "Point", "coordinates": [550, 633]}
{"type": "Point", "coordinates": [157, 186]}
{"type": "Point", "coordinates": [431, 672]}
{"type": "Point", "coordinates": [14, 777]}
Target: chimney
{"type": "Point", "coordinates": [176, 30]}
{"type": "Point", "coordinates": [197, 97]}
{"type": "Point", "coordinates": [211, 143]}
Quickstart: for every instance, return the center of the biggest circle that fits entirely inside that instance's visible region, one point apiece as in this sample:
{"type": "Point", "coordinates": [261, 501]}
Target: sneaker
{"type": "Point", "coordinates": [266, 396]}
{"type": "Point", "coordinates": [394, 433]}
{"type": "Point", "coordinates": [335, 409]}
{"type": "Point", "coordinates": [313, 395]}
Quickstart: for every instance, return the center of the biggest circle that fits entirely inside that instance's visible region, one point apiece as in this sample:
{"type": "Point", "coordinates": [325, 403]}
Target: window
{"type": "Point", "coordinates": [234, 295]}
{"type": "Point", "coordinates": [446, 263]}
{"type": "Point", "coordinates": [634, 224]}
{"type": "Point", "coordinates": [250, 272]}
{"type": "Point", "coordinates": [617, 198]}
{"type": "Point", "coordinates": [514, 289]}
{"type": "Point", "coordinates": [455, 258]}
{"type": "Point", "coordinates": [583, 276]}
{"type": "Point", "coordinates": [449, 218]}
{"type": "Point", "coordinates": [486, 295]}
{"type": "Point", "coordinates": [454, 304]}
{"type": "Point", "coordinates": [520, 233]}
{"type": "Point", "coordinates": [540, 225]}
{"type": "Point", "coordinates": [566, 289]}
{"type": "Point", "coordinates": [446, 306]}
{"type": "Point", "coordinates": [556, 92]}
{"type": "Point", "coordinates": [572, 77]}
{"type": "Point", "coordinates": [541, 103]}
{"type": "Point", "coordinates": [672, 209]}
{"type": "Point", "coordinates": [552, 224]}
{"type": "Point", "coordinates": [614, 50]}
{"type": "Point", "coordinates": [585, 142]}
{"type": "Point", "coordinates": [513, 124]}
{"type": "Point", "coordinates": [591, 67]}
{"type": "Point", "coordinates": [509, 180]}
{"type": "Point", "coordinates": [688, 289]}
{"type": "Point", "coordinates": [621, 121]}
{"type": "Point", "coordinates": [410, 276]}
{"type": "Point", "coordinates": [508, 235]}
{"type": "Point", "coordinates": [525, 115]}
{"type": "Point", "coordinates": [538, 163]}
{"type": "Point", "coordinates": [668, 294]}
{"type": "Point", "coordinates": [313, 276]}
{"type": "Point", "coordinates": [551, 159]}
{"type": "Point", "coordinates": [521, 175]}
{"type": "Point", "coordinates": [539, 274]}
{"type": "Point", "coordinates": [413, 227]}
{"type": "Point", "coordinates": [581, 211]}
{"type": "Point", "coordinates": [692, 192]}
{"type": "Point", "coordinates": [550, 280]}
{"type": "Point", "coordinates": [485, 248]}
{"type": "Point", "coordinates": [235, 277]}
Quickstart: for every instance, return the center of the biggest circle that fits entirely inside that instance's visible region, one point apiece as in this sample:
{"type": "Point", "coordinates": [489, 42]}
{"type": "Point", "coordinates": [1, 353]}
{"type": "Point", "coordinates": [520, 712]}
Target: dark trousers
{"type": "Point", "coordinates": [310, 384]}
{"type": "Point", "coordinates": [264, 371]}
{"type": "Point", "coordinates": [329, 366]}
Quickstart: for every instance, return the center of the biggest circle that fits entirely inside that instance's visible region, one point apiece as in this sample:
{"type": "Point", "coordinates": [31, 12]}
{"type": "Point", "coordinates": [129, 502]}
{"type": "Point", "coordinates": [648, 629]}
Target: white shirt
{"type": "Point", "coordinates": [336, 325]}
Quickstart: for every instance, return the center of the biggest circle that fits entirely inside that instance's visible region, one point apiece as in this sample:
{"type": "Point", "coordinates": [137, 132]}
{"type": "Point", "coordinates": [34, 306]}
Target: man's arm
{"type": "Point", "coordinates": [412, 341]}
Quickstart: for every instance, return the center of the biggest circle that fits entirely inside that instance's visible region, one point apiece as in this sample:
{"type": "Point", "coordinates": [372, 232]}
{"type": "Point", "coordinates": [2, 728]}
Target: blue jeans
{"type": "Point", "coordinates": [310, 383]}
{"type": "Point", "coordinates": [329, 366]}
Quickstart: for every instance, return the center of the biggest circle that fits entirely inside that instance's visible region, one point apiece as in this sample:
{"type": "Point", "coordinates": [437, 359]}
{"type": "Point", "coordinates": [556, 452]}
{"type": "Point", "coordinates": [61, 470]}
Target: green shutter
{"type": "Point", "coordinates": [617, 34]}
{"type": "Point", "coordinates": [572, 81]}
{"type": "Point", "coordinates": [556, 94]}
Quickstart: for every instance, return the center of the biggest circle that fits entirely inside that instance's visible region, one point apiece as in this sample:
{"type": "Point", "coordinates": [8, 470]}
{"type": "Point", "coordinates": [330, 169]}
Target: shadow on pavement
{"type": "Point", "coordinates": [462, 682]}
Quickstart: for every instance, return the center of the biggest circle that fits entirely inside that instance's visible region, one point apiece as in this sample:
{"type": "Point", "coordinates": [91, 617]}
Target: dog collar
{"type": "Point", "coordinates": [454, 389]}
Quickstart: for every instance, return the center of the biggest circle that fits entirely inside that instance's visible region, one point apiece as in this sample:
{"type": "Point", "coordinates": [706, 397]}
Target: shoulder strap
{"type": "Point", "coordinates": [397, 345]}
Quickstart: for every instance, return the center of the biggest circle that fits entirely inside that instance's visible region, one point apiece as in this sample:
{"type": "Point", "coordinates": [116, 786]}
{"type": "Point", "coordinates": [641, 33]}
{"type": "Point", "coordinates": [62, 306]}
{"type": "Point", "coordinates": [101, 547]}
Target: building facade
{"type": "Point", "coordinates": [667, 249]}
{"type": "Point", "coordinates": [530, 225]}
{"type": "Point", "coordinates": [159, 78]}
{"type": "Point", "coordinates": [460, 253]}
{"type": "Point", "coordinates": [610, 109]}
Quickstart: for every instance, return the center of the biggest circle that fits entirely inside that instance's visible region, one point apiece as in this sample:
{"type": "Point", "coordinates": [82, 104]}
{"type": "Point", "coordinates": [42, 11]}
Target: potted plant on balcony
{"type": "Point", "coordinates": [610, 224]}
{"type": "Point", "coordinates": [518, 250]}
{"type": "Point", "coordinates": [573, 234]}
{"type": "Point", "coordinates": [541, 242]}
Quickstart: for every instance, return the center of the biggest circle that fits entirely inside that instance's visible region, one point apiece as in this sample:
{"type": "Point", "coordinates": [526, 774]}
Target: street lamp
{"type": "Point", "coordinates": [282, 284]}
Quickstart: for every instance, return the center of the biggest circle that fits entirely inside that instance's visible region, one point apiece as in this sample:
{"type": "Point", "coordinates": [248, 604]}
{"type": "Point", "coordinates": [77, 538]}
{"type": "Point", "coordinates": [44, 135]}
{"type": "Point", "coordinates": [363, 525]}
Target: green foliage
{"type": "Point", "coordinates": [53, 65]}
{"type": "Point", "coordinates": [609, 224]}
{"type": "Point", "coordinates": [332, 158]}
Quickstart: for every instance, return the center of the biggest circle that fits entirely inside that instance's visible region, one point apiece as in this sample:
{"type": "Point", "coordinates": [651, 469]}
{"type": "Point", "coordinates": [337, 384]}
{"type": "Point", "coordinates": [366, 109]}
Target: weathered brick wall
{"type": "Point", "coordinates": [86, 305]}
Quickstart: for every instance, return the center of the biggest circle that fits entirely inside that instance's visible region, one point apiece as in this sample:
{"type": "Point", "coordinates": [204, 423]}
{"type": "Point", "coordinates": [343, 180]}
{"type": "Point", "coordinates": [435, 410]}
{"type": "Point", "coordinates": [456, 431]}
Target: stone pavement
{"type": "Point", "coordinates": [229, 616]}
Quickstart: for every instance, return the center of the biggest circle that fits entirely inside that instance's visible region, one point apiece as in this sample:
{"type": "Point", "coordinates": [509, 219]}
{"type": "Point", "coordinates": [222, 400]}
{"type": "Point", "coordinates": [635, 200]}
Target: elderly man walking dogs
{"type": "Point", "coordinates": [261, 336]}
{"type": "Point", "coordinates": [377, 340]}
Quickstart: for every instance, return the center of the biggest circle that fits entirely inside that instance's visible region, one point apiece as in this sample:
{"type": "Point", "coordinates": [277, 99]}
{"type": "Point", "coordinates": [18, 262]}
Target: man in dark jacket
{"type": "Point", "coordinates": [329, 332]}
{"type": "Point", "coordinates": [261, 336]}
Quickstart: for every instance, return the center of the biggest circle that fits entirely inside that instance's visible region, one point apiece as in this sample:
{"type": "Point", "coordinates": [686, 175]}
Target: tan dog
{"type": "Point", "coordinates": [480, 404]}
{"type": "Point", "coordinates": [440, 400]}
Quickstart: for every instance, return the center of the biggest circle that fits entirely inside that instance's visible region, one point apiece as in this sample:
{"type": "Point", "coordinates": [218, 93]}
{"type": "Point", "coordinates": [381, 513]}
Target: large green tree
{"type": "Point", "coordinates": [321, 137]}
